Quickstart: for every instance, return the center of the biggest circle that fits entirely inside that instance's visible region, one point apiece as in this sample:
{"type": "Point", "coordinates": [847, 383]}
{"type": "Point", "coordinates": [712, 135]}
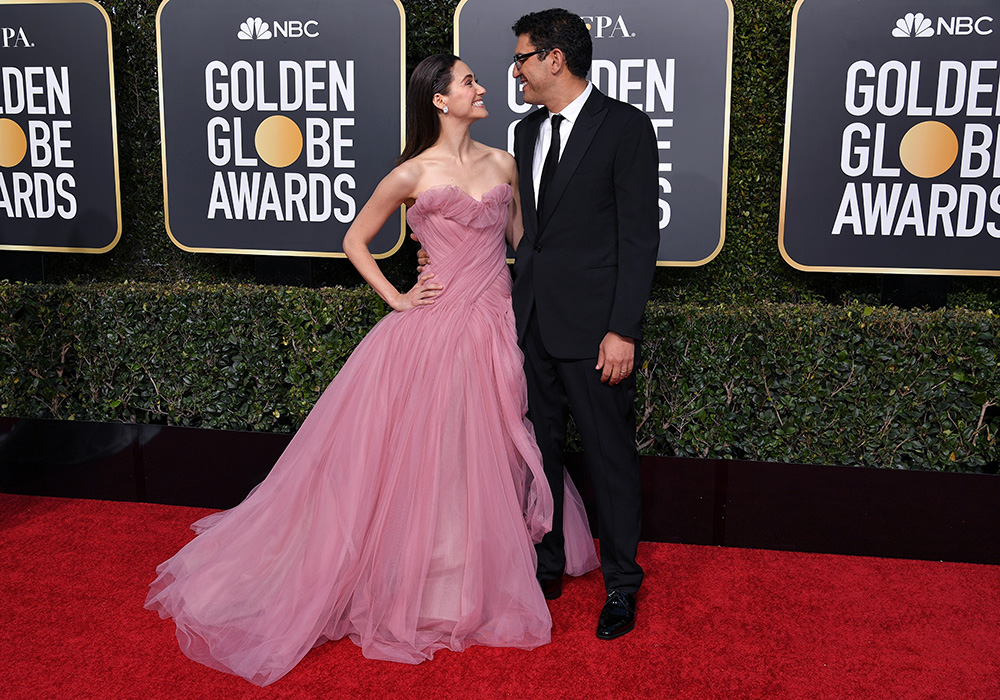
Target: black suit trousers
{"type": "Point", "coordinates": [605, 416]}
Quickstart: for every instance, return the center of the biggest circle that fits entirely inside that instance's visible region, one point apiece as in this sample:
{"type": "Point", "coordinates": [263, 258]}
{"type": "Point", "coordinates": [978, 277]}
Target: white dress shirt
{"type": "Point", "coordinates": [571, 113]}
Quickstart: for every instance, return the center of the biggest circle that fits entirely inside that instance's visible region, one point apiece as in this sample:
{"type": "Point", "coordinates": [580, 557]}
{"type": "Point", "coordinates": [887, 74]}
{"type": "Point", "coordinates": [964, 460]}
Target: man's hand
{"type": "Point", "coordinates": [615, 358]}
{"type": "Point", "coordinates": [423, 259]}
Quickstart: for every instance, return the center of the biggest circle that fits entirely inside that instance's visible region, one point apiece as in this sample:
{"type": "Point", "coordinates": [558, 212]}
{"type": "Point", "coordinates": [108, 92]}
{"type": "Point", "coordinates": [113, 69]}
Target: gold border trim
{"type": "Point", "coordinates": [455, 18]}
{"type": "Point", "coordinates": [114, 132]}
{"type": "Point", "coordinates": [725, 156]}
{"type": "Point", "coordinates": [281, 253]}
{"type": "Point", "coordinates": [784, 193]}
{"type": "Point", "coordinates": [725, 146]}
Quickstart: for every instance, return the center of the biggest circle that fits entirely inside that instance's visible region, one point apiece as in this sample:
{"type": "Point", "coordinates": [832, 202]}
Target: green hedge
{"type": "Point", "coordinates": [792, 383]}
{"type": "Point", "coordinates": [815, 384]}
{"type": "Point", "coordinates": [245, 357]}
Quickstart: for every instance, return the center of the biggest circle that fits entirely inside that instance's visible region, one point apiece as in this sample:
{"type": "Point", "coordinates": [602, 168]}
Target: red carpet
{"type": "Point", "coordinates": [714, 623]}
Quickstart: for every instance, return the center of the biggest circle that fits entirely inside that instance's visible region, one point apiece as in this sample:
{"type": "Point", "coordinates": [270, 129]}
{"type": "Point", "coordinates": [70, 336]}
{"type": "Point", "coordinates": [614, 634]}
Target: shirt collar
{"type": "Point", "coordinates": [573, 109]}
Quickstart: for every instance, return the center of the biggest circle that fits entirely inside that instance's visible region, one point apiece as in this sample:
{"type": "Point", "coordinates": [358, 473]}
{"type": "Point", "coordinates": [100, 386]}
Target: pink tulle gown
{"type": "Point", "coordinates": [402, 513]}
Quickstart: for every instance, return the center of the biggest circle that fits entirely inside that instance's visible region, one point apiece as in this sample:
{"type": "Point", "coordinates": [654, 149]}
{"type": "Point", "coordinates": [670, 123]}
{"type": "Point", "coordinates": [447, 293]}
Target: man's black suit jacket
{"type": "Point", "coordinates": [586, 263]}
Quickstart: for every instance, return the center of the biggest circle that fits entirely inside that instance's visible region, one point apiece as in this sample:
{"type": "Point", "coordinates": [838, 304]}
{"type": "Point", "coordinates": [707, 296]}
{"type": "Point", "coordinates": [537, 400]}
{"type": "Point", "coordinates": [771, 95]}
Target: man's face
{"type": "Point", "coordinates": [533, 72]}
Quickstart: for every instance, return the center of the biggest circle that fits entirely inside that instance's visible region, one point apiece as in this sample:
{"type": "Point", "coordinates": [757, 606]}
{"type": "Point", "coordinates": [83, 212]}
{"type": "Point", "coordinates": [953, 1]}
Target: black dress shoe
{"type": "Point", "coordinates": [551, 587]}
{"type": "Point", "coordinates": [618, 615]}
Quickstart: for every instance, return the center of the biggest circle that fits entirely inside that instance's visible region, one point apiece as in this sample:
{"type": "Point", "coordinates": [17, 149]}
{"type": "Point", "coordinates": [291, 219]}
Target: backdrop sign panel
{"type": "Point", "coordinates": [58, 148]}
{"type": "Point", "coordinates": [279, 118]}
{"type": "Point", "coordinates": [892, 137]}
{"type": "Point", "coordinates": [670, 58]}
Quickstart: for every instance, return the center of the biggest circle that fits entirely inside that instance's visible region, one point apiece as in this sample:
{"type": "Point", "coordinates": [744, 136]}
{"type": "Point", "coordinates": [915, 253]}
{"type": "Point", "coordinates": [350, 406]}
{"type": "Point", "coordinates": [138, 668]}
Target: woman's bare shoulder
{"type": "Point", "coordinates": [409, 171]}
{"type": "Point", "coordinates": [499, 159]}
{"type": "Point", "coordinates": [404, 178]}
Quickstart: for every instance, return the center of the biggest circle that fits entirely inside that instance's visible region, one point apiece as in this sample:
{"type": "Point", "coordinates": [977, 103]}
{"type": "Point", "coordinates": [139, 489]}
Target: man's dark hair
{"type": "Point", "coordinates": [558, 29]}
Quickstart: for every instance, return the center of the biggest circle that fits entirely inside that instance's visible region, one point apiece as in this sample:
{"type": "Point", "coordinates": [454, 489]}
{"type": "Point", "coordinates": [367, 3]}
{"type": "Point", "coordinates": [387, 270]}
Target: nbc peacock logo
{"type": "Point", "coordinates": [913, 25]}
{"type": "Point", "coordinates": [254, 28]}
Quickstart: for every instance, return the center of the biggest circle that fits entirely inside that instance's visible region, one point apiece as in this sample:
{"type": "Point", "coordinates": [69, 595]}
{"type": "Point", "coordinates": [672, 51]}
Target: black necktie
{"type": "Point", "coordinates": [551, 161]}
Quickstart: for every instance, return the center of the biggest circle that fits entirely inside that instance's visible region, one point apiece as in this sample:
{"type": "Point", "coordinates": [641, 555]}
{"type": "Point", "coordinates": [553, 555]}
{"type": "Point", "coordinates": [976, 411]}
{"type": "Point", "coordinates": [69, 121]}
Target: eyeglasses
{"type": "Point", "coordinates": [520, 58]}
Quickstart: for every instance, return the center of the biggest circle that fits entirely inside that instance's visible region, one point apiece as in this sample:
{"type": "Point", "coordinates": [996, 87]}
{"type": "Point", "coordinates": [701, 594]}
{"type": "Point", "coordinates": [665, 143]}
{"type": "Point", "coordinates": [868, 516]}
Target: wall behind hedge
{"type": "Point", "coordinates": [850, 385]}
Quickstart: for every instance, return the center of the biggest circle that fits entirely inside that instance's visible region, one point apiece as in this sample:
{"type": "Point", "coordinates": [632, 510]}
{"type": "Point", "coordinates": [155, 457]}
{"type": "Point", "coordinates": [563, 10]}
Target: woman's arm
{"type": "Point", "coordinates": [396, 188]}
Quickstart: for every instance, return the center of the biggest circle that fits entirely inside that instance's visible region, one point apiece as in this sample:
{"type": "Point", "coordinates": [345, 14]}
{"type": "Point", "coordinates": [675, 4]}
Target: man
{"type": "Point", "coordinates": [582, 276]}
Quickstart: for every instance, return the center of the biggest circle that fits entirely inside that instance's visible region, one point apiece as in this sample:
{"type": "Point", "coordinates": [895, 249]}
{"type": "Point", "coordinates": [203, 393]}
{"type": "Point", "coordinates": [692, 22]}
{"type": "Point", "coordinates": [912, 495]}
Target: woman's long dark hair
{"type": "Point", "coordinates": [431, 76]}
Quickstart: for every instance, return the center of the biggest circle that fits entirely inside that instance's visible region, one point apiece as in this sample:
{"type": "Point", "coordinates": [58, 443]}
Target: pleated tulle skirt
{"type": "Point", "coordinates": [402, 515]}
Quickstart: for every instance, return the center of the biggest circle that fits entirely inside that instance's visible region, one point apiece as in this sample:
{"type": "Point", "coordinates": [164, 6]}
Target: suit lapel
{"type": "Point", "coordinates": [532, 123]}
{"type": "Point", "coordinates": [586, 127]}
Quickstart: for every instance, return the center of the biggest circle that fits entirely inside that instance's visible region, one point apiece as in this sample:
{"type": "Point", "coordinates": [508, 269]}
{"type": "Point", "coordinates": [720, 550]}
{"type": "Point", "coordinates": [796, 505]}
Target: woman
{"type": "Point", "coordinates": [402, 513]}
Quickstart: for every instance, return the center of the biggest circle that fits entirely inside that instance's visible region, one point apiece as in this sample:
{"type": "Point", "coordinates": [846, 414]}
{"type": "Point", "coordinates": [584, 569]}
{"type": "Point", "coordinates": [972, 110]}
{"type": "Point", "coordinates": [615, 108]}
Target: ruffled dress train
{"type": "Point", "coordinates": [402, 513]}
